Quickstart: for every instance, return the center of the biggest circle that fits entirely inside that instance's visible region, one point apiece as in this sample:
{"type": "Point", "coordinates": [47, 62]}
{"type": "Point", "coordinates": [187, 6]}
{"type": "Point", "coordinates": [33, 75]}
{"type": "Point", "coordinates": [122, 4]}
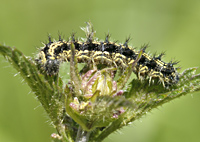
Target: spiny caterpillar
{"type": "Point", "coordinates": [106, 53]}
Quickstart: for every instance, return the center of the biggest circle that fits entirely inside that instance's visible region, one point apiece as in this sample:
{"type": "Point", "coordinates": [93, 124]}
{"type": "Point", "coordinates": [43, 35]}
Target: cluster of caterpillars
{"type": "Point", "coordinates": [107, 53]}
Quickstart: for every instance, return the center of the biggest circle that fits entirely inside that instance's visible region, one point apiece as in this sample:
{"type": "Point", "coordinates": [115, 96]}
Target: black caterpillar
{"type": "Point", "coordinates": [107, 53]}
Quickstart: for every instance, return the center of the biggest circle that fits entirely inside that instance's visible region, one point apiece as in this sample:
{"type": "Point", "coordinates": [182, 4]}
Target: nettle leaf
{"type": "Point", "coordinates": [48, 89]}
{"type": "Point", "coordinates": [89, 104]}
{"type": "Point", "coordinates": [145, 97]}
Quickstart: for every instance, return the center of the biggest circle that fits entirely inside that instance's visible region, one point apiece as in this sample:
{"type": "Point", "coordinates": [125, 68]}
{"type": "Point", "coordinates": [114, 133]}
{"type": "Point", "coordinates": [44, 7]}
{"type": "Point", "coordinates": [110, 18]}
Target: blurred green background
{"type": "Point", "coordinates": [172, 26]}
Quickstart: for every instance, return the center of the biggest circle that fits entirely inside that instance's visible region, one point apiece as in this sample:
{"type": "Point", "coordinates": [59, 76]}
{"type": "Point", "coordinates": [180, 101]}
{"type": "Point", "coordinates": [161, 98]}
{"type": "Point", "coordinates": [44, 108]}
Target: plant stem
{"type": "Point", "coordinates": [82, 135]}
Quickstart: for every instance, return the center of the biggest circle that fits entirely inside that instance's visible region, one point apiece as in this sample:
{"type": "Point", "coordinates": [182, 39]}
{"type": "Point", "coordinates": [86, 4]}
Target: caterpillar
{"type": "Point", "coordinates": [107, 53]}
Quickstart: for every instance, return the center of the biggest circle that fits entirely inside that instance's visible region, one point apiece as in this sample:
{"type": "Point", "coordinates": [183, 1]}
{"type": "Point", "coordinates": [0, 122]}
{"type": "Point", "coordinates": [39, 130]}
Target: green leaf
{"type": "Point", "coordinates": [99, 115]}
{"type": "Point", "coordinates": [145, 97]}
{"type": "Point", "coordinates": [74, 73]}
{"type": "Point", "coordinates": [47, 89]}
{"type": "Point", "coordinates": [127, 73]}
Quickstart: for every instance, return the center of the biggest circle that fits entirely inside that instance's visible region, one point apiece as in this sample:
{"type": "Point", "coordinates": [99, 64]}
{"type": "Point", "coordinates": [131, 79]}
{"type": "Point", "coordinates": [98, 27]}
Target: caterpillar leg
{"type": "Point", "coordinates": [154, 74]}
{"type": "Point", "coordinates": [142, 72]}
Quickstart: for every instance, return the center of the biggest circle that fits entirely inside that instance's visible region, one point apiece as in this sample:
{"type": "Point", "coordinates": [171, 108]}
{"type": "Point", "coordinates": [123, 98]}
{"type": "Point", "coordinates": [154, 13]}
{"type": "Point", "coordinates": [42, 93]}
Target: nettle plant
{"type": "Point", "coordinates": [95, 94]}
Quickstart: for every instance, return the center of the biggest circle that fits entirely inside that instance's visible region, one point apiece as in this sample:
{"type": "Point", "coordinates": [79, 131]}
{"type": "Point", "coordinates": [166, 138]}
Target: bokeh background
{"type": "Point", "coordinates": [172, 26]}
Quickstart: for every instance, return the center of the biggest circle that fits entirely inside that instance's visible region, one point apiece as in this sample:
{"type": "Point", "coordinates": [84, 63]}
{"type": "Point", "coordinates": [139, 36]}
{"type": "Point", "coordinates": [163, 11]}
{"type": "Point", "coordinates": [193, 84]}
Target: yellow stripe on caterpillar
{"type": "Point", "coordinates": [107, 53]}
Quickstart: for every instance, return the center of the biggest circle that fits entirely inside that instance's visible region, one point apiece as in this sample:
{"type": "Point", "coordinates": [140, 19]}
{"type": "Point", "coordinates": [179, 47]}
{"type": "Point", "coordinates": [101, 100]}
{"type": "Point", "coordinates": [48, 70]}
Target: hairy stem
{"type": "Point", "coordinates": [82, 135]}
